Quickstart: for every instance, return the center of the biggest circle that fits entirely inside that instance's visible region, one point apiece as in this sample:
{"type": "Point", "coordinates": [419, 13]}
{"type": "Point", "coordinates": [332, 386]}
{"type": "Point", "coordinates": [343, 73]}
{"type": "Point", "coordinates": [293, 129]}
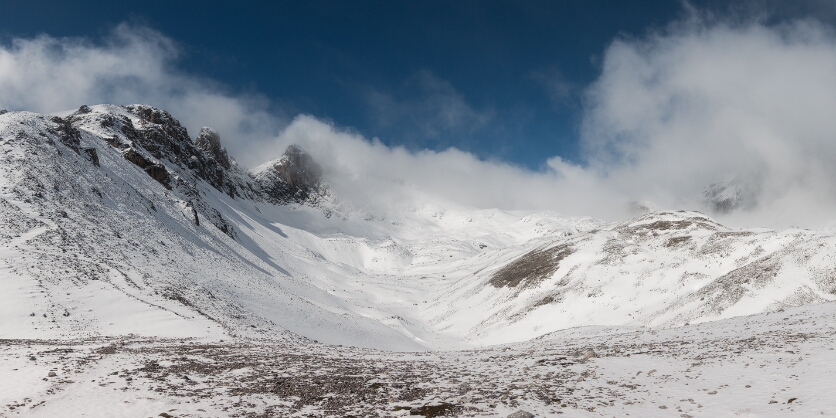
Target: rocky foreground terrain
{"type": "Point", "coordinates": [779, 364]}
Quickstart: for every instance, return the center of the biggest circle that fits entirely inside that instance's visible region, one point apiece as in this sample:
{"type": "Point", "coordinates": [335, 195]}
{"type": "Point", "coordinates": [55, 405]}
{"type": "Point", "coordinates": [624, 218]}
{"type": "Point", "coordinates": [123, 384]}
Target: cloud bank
{"type": "Point", "coordinates": [735, 119]}
{"type": "Point", "coordinates": [714, 103]}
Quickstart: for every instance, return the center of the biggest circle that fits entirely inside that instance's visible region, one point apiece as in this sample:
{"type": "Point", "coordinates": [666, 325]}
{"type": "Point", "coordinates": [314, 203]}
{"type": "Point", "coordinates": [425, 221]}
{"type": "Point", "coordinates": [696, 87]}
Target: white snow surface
{"type": "Point", "coordinates": [107, 251]}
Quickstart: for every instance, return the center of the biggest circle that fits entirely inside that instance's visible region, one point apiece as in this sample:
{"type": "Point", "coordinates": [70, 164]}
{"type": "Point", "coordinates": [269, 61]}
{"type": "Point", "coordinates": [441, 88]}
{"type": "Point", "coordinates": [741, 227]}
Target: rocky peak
{"type": "Point", "coordinates": [725, 197]}
{"type": "Point", "coordinates": [298, 168]}
{"type": "Point", "coordinates": [152, 115]}
{"type": "Point", "coordinates": [295, 176]}
{"type": "Point", "coordinates": [209, 142]}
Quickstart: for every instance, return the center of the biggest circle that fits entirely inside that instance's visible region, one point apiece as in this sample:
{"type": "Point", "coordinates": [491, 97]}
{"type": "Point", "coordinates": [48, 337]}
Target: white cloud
{"type": "Point", "coordinates": [131, 65]}
{"type": "Point", "coordinates": [671, 113]}
{"type": "Point", "coordinates": [701, 104]}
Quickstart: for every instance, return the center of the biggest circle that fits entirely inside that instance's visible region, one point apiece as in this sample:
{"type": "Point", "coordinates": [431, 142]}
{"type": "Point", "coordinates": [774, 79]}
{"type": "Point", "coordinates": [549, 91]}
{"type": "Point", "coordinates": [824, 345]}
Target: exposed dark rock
{"type": "Point", "coordinates": [294, 177]}
{"type": "Point", "coordinates": [162, 136]}
{"type": "Point", "coordinates": [3, 111]}
{"type": "Point", "coordinates": [83, 109]}
{"type": "Point", "coordinates": [676, 241]}
{"type": "Point", "coordinates": [69, 135]}
{"type": "Point", "coordinates": [209, 142]}
{"type": "Point", "coordinates": [521, 414]}
{"type": "Point", "coordinates": [214, 217]}
{"type": "Point", "coordinates": [159, 133]}
{"type": "Point", "coordinates": [136, 158]}
{"type": "Point", "coordinates": [113, 141]}
{"type": "Point", "coordinates": [128, 129]}
{"type": "Point", "coordinates": [440, 410]}
{"type": "Point", "coordinates": [92, 155]}
{"type": "Point", "coordinates": [159, 173]}
{"type": "Point", "coordinates": [156, 171]}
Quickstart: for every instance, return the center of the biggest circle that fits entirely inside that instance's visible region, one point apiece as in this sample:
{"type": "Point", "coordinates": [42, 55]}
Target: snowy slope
{"type": "Point", "coordinates": [152, 235]}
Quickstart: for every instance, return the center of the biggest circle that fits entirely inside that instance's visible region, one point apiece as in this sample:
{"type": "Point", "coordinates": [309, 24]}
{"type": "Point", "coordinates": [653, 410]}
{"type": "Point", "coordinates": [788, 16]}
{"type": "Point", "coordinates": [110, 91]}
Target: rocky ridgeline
{"type": "Point", "coordinates": [156, 142]}
{"type": "Point", "coordinates": [147, 137]}
{"type": "Point", "coordinates": [293, 178]}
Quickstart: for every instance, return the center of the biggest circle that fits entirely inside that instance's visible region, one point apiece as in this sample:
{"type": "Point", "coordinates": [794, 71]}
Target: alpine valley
{"type": "Point", "coordinates": [146, 273]}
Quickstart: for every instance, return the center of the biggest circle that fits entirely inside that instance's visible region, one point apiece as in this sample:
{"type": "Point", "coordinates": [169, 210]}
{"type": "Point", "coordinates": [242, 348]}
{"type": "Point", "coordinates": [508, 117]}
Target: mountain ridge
{"type": "Point", "coordinates": [118, 202]}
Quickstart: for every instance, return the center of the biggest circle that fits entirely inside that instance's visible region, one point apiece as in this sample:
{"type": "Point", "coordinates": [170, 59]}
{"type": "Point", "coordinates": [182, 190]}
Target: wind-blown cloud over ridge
{"type": "Point", "coordinates": [745, 108]}
{"type": "Point", "coordinates": [131, 65]}
{"type": "Point", "coordinates": [732, 119]}
{"type": "Point", "coordinates": [714, 103]}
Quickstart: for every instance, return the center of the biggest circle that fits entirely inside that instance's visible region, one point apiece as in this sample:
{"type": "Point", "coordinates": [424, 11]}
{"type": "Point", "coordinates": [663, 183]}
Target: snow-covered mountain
{"type": "Point", "coordinates": [115, 222]}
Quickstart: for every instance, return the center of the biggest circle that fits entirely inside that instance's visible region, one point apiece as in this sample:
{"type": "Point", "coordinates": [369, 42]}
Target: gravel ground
{"type": "Point", "coordinates": [762, 365]}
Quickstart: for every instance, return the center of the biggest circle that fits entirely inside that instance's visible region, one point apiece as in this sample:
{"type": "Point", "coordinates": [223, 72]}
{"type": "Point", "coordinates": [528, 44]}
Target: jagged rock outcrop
{"type": "Point", "coordinates": [209, 142]}
{"type": "Point", "coordinates": [161, 137]}
{"type": "Point", "coordinates": [155, 142]}
{"type": "Point", "coordinates": [68, 134]}
{"type": "Point", "coordinates": [136, 158]}
{"type": "Point", "coordinates": [295, 177]}
{"type": "Point", "coordinates": [159, 173]}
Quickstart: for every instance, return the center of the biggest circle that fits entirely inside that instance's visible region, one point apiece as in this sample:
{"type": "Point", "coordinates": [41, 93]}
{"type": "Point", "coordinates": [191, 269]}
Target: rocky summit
{"type": "Point", "coordinates": [295, 177]}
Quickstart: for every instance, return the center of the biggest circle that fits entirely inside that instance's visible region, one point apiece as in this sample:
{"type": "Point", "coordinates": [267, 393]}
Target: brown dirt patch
{"type": "Point", "coordinates": [531, 268]}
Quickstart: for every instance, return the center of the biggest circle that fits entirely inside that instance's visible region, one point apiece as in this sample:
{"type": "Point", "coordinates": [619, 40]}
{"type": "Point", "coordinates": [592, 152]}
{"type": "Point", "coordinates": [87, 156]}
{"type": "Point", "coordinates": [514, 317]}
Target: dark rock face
{"type": "Point", "coordinates": [300, 171]}
{"type": "Point", "coordinates": [159, 133]}
{"type": "Point", "coordinates": [155, 142]}
{"type": "Point", "coordinates": [92, 155]}
{"type": "Point", "coordinates": [159, 173]}
{"type": "Point", "coordinates": [159, 137]}
{"type": "Point", "coordinates": [209, 142]}
{"type": "Point", "coordinates": [3, 111]}
{"type": "Point", "coordinates": [151, 138]}
{"type": "Point", "coordinates": [69, 135]}
{"type": "Point", "coordinates": [294, 177]}
{"type": "Point", "coordinates": [155, 170]}
{"type": "Point", "coordinates": [136, 158]}
{"type": "Point", "coordinates": [164, 138]}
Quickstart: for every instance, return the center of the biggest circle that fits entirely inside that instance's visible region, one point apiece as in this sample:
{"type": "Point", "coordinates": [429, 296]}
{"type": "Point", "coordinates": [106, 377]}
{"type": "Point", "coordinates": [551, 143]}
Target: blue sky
{"type": "Point", "coordinates": [501, 79]}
